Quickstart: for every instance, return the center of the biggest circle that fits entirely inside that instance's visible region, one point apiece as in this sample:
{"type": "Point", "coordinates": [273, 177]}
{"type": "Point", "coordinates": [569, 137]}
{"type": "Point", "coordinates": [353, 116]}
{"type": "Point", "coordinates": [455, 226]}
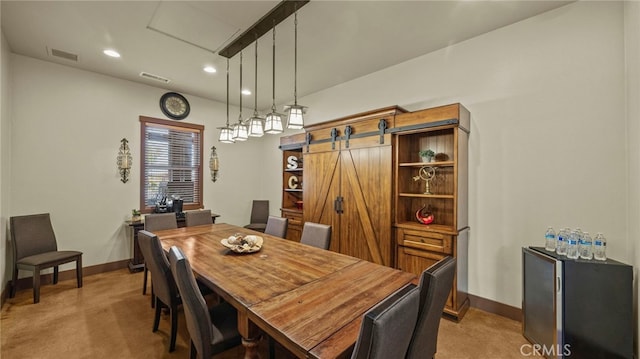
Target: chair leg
{"type": "Point", "coordinates": [174, 327]}
{"type": "Point", "coordinates": [55, 275]}
{"type": "Point", "coordinates": [272, 349]}
{"type": "Point", "coordinates": [144, 280]}
{"type": "Point", "coordinates": [156, 319]}
{"type": "Point", "coordinates": [153, 297]}
{"type": "Point", "coordinates": [14, 282]}
{"type": "Point", "coordinates": [193, 353]}
{"type": "Point", "coordinates": [79, 271]}
{"type": "Point", "coordinates": [36, 285]}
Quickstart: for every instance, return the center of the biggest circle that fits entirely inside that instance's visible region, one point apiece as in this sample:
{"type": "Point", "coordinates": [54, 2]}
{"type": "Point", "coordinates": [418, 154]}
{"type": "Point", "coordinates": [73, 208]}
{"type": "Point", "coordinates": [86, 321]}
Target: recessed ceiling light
{"type": "Point", "coordinates": [210, 69]}
{"type": "Point", "coordinates": [112, 53]}
{"type": "Point", "coordinates": [246, 92]}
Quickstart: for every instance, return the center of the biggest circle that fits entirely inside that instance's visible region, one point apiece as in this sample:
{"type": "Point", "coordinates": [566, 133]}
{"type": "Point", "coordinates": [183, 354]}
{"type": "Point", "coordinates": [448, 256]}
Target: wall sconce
{"type": "Point", "coordinates": [214, 164]}
{"type": "Point", "coordinates": [124, 160]}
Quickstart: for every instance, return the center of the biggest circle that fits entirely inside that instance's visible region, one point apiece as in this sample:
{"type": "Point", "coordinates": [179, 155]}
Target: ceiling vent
{"type": "Point", "coordinates": [154, 77]}
{"type": "Point", "coordinates": [64, 55]}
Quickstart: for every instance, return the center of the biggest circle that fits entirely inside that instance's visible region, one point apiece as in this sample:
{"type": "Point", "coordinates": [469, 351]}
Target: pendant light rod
{"type": "Point", "coordinates": [295, 57]}
{"type": "Point", "coordinates": [227, 92]}
{"type": "Point", "coordinates": [240, 118]}
{"type": "Point", "coordinates": [273, 70]}
{"type": "Point", "coordinates": [278, 14]}
{"type": "Point", "coordinates": [255, 88]}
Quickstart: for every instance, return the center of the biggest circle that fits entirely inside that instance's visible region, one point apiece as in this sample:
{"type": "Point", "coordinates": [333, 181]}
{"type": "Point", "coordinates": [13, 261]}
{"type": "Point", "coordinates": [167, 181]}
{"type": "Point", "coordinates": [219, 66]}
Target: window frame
{"type": "Point", "coordinates": [150, 122]}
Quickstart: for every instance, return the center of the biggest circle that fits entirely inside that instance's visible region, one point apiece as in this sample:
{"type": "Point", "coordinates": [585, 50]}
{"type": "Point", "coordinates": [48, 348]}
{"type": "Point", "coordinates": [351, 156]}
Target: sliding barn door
{"type": "Point", "coordinates": [365, 224]}
{"type": "Point", "coordinates": [321, 181]}
{"type": "Point", "coordinates": [351, 191]}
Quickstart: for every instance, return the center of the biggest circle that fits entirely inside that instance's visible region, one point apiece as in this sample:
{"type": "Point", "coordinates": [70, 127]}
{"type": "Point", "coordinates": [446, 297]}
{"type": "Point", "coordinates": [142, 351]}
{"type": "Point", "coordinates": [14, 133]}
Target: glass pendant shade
{"type": "Point", "coordinates": [295, 119]}
{"type": "Point", "coordinates": [240, 132]}
{"type": "Point", "coordinates": [256, 126]}
{"type": "Point", "coordinates": [226, 135]}
{"type": "Point", "coordinates": [273, 123]}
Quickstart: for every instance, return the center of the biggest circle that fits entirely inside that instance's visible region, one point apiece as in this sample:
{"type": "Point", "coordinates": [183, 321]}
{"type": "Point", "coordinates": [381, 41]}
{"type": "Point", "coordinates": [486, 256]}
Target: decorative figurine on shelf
{"type": "Point", "coordinates": [426, 155]}
{"type": "Point", "coordinates": [135, 215]}
{"type": "Point", "coordinates": [424, 215]}
{"type": "Point", "coordinates": [427, 174]}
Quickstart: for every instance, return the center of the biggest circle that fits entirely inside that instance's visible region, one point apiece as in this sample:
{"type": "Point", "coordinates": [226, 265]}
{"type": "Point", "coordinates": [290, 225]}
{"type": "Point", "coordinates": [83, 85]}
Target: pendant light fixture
{"type": "Point", "coordinates": [239, 129]}
{"type": "Point", "coordinates": [256, 123]}
{"type": "Point", "coordinates": [295, 119]}
{"type": "Point", "coordinates": [226, 132]}
{"type": "Point", "coordinates": [273, 121]}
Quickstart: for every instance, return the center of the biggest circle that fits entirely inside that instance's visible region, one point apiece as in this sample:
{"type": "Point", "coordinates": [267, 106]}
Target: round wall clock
{"type": "Point", "coordinates": [174, 106]}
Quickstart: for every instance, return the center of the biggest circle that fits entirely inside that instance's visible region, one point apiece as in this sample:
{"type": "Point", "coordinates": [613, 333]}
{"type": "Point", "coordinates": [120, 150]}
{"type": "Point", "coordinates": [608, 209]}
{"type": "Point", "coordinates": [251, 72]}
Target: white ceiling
{"type": "Point", "coordinates": [337, 40]}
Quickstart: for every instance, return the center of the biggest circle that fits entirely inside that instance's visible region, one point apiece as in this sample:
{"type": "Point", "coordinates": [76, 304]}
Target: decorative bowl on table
{"type": "Point", "coordinates": [240, 243]}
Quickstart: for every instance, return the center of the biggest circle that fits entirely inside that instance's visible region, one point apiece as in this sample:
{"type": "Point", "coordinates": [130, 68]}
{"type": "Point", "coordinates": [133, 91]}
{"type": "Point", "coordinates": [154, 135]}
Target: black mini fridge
{"type": "Point", "coordinates": [577, 308]}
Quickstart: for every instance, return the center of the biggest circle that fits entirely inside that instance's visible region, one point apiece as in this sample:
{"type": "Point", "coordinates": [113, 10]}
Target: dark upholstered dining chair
{"type": "Point", "coordinates": [164, 286]}
{"type": "Point", "coordinates": [198, 218]}
{"type": "Point", "coordinates": [316, 234]}
{"type": "Point", "coordinates": [152, 223]}
{"type": "Point", "coordinates": [259, 215]}
{"type": "Point", "coordinates": [435, 285]}
{"type": "Point", "coordinates": [212, 331]}
{"type": "Point", "coordinates": [386, 329]}
{"type": "Point", "coordinates": [35, 248]}
{"type": "Point", "coordinates": [277, 226]}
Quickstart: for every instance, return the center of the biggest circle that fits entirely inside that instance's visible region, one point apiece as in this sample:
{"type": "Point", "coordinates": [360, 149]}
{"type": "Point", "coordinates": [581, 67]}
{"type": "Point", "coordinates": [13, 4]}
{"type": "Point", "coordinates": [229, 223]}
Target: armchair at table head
{"type": "Point", "coordinates": [277, 226]}
{"type": "Point", "coordinates": [35, 248]}
{"type": "Point", "coordinates": [435, 285]}
{"type": "Point", "coordinates": [386, 329]}
{"type": "Point", "coordinates": [198, 218]}
{"type": "Point", "coordinates": [164, 286]}
{"type": "Point", "coordinates": [212, 331]}
{"type": "Point", "coordinates": [259, 215]}
{"type": "Point", "coordinates": [316, 234]}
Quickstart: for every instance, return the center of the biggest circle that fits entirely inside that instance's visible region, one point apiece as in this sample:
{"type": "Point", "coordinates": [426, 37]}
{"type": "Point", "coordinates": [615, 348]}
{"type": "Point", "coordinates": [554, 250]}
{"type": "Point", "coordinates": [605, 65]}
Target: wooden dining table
{"type": "Point", "coordinates": [309, 300]}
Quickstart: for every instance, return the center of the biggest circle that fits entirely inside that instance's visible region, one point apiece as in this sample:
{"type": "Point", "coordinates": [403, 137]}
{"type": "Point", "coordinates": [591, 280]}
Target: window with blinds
{"type": "Point", "coordinates": [171, 163]}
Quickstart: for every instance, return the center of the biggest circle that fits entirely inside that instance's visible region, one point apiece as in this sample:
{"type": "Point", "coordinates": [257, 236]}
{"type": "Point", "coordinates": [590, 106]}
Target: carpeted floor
{"type": "Point", "coordinates": [110, 318]}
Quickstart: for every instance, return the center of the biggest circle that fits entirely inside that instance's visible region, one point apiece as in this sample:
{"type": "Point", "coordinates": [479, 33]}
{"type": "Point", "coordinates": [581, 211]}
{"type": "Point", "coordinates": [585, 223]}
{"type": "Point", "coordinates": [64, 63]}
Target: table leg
{"type": "Point", "coordinates": [251, 348]}
{"type": "Point", "coordinates": [250, 336]}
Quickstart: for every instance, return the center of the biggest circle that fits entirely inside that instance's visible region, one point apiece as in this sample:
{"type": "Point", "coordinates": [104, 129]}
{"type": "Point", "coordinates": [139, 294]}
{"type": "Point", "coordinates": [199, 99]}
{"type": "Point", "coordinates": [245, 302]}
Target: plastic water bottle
{"type": "Point", "coordinates": [572, 245]}
{"type": "Point", "coordinates": [550, 240]}
{"type": "Point", "coordinates": [600, 247]}
{"type": "Point", "coordinates": [586, 250]}
{"type": "Point", "coordinates": [561, 245]}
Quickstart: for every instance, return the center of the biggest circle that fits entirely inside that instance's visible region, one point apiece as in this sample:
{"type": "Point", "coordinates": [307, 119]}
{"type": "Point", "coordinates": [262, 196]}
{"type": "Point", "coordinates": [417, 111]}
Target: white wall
{"type": "Point", "coordinates": [66, 132]}
{"type": "Point", "coordinates": [632, 77]}
{"type": "Point", "coordinates": [5, 155]}
{"type": "Point", "coordinates": [547, 143]}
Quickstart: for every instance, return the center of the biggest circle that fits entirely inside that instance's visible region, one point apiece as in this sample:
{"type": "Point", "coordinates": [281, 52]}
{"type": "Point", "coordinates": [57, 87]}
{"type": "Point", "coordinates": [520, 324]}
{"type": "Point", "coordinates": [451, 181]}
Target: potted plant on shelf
{"type": "Point", "coordinates": [135, 215]}
{"type": "Point", "coordinates": [426, 155]}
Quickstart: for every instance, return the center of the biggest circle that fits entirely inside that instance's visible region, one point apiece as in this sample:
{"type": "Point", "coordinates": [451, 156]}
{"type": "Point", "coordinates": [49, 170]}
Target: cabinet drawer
{"type": "Point", "coordinates": [295, 219]}
{"type": "Point", "coordinates": [430, 241]}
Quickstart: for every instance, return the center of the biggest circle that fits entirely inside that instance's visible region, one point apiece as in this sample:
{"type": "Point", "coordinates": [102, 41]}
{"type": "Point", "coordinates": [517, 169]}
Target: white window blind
{"type": "Point", "coordinates": [172, 163]}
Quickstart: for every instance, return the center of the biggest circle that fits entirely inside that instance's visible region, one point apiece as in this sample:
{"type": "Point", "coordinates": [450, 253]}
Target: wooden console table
{"type": "Point", "coordinates": [136, 263]}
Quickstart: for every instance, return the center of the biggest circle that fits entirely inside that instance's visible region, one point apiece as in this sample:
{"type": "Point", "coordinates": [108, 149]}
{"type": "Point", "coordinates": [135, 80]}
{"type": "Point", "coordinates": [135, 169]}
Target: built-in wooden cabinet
{"type": "Point", "coordinates": [444, 130]}
{"type": "Point", "coordinates": [362, 176]}
{"type": "Point", "coordinates": [348, 183]}
{"type": "Point", "coordinates": [292, 184]}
